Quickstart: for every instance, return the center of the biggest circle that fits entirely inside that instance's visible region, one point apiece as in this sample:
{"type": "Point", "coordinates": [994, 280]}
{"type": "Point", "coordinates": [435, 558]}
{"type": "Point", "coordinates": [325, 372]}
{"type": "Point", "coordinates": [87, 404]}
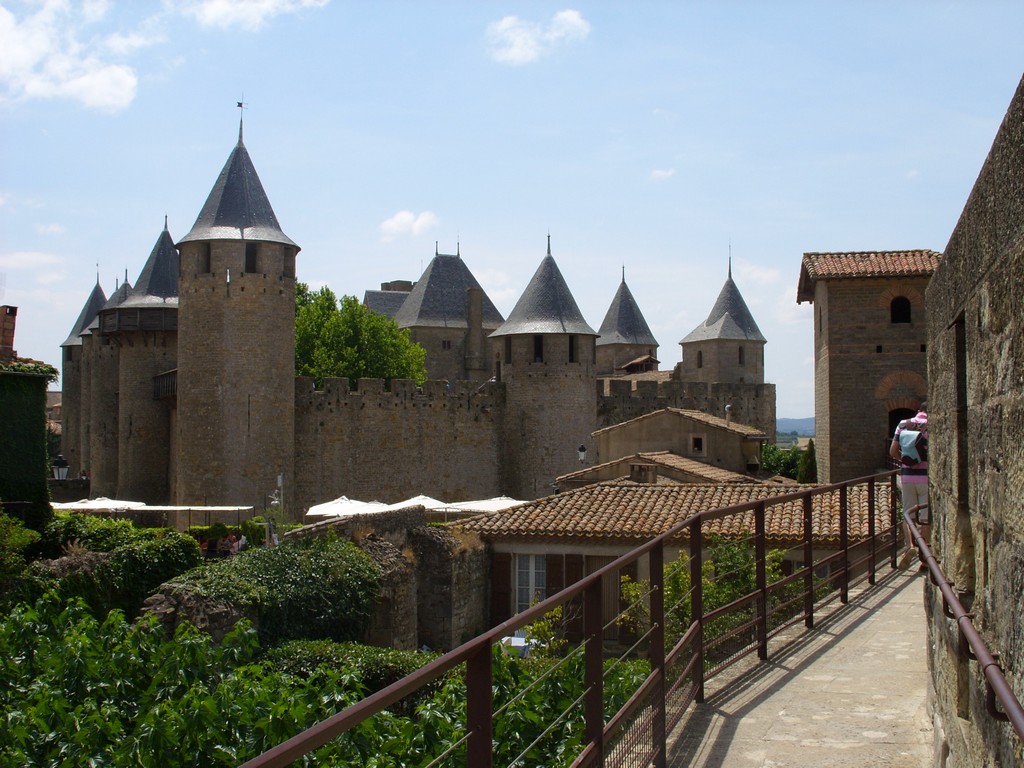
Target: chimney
{"type": "Point", "coordinates": [8, 318]}
{"type": "Point", "coordinates": [728, 414]}
{"type": "Point", "coordinates": [475, 360]}
{"type": "Point", "coordinates": [643, 473]}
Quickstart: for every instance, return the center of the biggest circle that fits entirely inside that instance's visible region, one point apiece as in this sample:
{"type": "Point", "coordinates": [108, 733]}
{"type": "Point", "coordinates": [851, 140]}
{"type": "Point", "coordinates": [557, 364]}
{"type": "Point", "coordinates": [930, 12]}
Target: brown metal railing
{"type": "Point", "coordinates": [679, 667]}
{"type": "Point", "coordinates": [971, 646]}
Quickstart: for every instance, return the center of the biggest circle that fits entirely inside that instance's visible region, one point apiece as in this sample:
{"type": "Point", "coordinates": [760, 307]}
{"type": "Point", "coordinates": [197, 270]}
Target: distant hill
{"type": "Point", "coordinates": [803, 427]}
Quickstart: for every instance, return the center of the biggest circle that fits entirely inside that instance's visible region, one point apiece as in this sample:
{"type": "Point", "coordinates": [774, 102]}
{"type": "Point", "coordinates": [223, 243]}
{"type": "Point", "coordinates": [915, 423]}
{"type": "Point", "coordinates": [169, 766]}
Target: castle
{"type": "Point", "coordinates": [181, 389]}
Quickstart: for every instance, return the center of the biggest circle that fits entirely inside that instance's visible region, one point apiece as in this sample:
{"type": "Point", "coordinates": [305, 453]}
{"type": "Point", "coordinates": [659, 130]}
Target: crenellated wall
{"type": "Point", "coordinates": [368, 443]}
{"type": "Point", "coordinates": [619, 400]}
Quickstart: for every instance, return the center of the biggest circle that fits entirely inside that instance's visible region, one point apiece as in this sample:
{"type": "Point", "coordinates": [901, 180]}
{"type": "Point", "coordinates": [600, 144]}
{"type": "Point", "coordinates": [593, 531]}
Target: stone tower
{"type": "Point", "coordinates": [144, 327]}
{"type": "Point", "coordinates": [546, 355]}
{"type": "Point", "coordinates": [727, 347]}
{"type": "Point", "coordinates": [870, 357]}
{"type": "Point", "coordinates": [236, 346]}
{"type": "Point", "coordinates": [449, 315]}
{"type": "Point", "coordinates": [100, 358]}
{"type": "Point", "coordinates": [74, 440]}
{"type": "Point", "coordinates": [625, 344]}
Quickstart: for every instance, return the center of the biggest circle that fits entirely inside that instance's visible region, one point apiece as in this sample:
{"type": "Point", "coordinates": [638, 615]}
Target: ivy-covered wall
{"type": "Point", "coordinates": [23, 460]}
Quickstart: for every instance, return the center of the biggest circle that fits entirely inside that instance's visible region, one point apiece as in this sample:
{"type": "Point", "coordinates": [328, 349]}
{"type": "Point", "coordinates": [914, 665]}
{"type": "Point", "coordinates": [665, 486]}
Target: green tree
{"type": "Point", "coordinates": [807, 472]}
{"type": "Point", "coordinates": [776, 461]}
{"type": "Point", "coordinates": [346, 339]}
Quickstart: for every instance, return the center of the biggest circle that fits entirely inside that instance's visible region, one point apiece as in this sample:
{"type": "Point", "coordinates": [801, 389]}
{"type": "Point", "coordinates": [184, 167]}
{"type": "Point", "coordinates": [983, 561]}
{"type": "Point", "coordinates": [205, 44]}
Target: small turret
{"type": "Point", "coordinates": [728, 347]}
{"type": "Point", "coordinates": [626, 343]}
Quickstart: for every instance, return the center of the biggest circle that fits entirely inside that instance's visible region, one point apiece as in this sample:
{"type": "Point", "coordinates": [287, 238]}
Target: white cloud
{"type": "Point", "coordinates": [407, 223]}
{"type": "Point", "coordinates": [515, 41]}
{"type": "Point", "coordinates": [50, 229]}
{"type": "Point", "coordinates": [247, 14]}
{"type": "Point", "coordinates": [28, 260]}
{"type": "Point", "coordinates": [662, 174]}
{"type": "Point", "coordinates": [45, 58]}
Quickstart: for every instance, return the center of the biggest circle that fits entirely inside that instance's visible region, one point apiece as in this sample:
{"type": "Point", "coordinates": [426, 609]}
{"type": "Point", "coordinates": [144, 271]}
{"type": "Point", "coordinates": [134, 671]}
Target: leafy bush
{"type": "Point", "coordinates": [120, 579]}
{"type": "Point", "coordinates": [15, 538]}
{"type": "Point", "coordinates": [97, 534]}
{"type": "Point", "coordinates": [315, 588]}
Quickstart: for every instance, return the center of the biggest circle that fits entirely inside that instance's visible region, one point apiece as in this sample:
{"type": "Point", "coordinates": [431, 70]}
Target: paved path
{"type": "Point", "coordinates": [851, 693]}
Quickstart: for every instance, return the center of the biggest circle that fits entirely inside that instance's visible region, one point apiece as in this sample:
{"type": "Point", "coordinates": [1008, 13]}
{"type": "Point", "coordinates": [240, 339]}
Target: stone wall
{"type": "Point", "coordinates": [236, 376]}
{"type": "Point", "coordinates": [619, 400]}
{"type": "Point", "coordinates": [370, 444]}
{"type": "Point", "coordinates": [976, 412]}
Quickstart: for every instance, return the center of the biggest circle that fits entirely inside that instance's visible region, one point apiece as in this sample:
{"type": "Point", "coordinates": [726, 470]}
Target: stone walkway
{"type": "Point", "coordinates": [852, 692]}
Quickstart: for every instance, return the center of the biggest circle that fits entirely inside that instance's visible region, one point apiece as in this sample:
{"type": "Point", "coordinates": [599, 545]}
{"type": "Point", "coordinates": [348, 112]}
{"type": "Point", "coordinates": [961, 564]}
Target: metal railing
{"type": "Point", "coordinates": [711, 638]}
{"type": "Point", "coordinates": [971, 647]}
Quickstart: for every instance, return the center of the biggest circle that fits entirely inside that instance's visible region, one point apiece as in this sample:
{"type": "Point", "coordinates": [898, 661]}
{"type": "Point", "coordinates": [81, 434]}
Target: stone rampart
{"type": "Point", "coordinates": [368, 443]}
{"type": "Point", "coordinates": [976, 460]}
{"type": "Point", "coordinates": [619, 400]}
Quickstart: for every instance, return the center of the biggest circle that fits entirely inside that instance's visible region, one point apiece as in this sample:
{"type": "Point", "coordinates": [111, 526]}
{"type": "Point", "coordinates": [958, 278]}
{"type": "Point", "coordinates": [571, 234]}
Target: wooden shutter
{"type": "Point", "coordinates": [501, 587]}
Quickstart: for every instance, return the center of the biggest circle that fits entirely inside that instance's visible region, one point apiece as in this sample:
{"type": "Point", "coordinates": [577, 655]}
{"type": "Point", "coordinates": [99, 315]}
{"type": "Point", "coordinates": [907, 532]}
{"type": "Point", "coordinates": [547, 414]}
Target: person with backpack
{"type": "Point", "coordinates": [910, 447]}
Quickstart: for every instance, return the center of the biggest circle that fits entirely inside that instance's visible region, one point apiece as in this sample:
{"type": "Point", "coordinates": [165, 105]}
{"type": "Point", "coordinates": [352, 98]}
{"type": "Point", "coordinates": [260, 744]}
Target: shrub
{"type": "Point", "coordinates": [119, 579]}
{"type": "Point", "coordinates": [15, 538]}
{"type": "Point", "coordinates": [315, 588]}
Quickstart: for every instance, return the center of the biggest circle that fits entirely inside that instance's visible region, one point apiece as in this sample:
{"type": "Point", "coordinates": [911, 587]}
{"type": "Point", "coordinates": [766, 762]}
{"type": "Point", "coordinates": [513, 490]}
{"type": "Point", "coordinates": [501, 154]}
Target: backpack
{"type": "Point", "coordinates": [913, 445]}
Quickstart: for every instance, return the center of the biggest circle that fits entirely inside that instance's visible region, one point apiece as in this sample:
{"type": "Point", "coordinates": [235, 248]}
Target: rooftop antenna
{"type": "Point", "coordinates": [436, 252]}
{"type": "Point", "coordinates": [730, 258]}
{"type": "Point", "coordinates": [242, 106]}
{"type": "Point", "coordinates": [549, 242]}
{"type": "Point", "coordinates": [623, 273]}
{"type": "Point", "coordinates": [165, 222]}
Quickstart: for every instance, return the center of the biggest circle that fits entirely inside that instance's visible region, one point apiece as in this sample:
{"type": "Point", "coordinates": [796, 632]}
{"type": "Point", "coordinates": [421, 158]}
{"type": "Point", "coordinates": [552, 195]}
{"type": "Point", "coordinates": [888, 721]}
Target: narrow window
{"type": "Point", "coordinates": [203, 262]}
{"type": "Point", "coordinates": [700, 358]}
{"type": "Point", "coordinates": [538, 349]}
{"type": "Point", "coordinates": [508, 349]}
{"type": "Point", "coordinates": [572, 349]}
{"type": "Point", "coordinates": [878, 349]}
{"type": "Point", "coordinates": [698, 444]}
{"type": "Point", "coordinates": [251, 264]}
{"type": "Point", "coordinates": [899, 310]}
{"type": "Point", "coordinates": [531, 580]}
{"type": "Point", "coordinates": [446, 344]}
{"type": "Point", "coordinates": [741, 355]}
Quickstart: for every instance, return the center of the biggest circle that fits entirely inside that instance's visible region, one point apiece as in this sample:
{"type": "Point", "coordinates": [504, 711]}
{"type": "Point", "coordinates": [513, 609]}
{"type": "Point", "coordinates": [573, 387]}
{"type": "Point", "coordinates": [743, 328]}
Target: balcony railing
{"type": "Point", "coordinates": [709, 641]}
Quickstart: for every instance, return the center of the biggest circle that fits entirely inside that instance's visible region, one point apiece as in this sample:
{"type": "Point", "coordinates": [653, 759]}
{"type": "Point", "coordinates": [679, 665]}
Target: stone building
{"type": "Point", "coordinates": [976, 458]}
{"type": "Point", "coordinates": [870, 341]}
{"type": "Point", "coordinates": [184, 392]}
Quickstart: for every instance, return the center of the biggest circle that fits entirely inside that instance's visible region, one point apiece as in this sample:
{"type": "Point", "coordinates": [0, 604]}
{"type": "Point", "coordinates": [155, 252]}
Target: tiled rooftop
{"type": "Point", "coordinates": [860, 264]}
{"type": "Point", "coordinates": [619, 512]}
{"type": "Point", "coordinates": [708, 472]}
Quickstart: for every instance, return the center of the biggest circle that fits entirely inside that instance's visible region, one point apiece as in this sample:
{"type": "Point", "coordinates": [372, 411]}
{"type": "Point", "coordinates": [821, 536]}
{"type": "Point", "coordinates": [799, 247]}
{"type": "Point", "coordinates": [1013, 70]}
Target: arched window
{"type": "Point", "coordinates": [700, 359]}
{"type": "Point", "coordinates": [899, 310]}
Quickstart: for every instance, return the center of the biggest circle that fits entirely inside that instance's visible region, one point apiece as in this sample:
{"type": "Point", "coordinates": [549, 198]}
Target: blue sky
{"type": "Point", "coordinates": [650, 136]}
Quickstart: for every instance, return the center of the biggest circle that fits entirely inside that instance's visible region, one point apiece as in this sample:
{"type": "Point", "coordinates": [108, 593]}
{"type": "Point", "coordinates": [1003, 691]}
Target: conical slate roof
{"type": "Point", "coordinates": [92, 308]}
{"type": "Point", "coordinates": [119, 296]}
{"type": "Point", "coordinates": [439, 297]}
{"type": "Point", "coordinates": [729, 318]}
{"type": "Point", "coordinates": [546, 306]}
{"type": "Point", "coordinates": [237, 208]}
{"type": "Point", "coordinates": [624, 323]}
{"type": "Point", "coordinates": [158, 281]}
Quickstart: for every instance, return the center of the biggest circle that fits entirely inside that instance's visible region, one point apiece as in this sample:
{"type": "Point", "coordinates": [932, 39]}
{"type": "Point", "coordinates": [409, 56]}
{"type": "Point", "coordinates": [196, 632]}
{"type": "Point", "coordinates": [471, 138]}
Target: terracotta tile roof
{"type": "Point", "coordinates": [860, 264]}
{"type": "Point", "coordinates": [617, 512]}
{"type": "Point", "coordinates": [700, 416]}
{"type": "Point", "coordinates": [693, 467]}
